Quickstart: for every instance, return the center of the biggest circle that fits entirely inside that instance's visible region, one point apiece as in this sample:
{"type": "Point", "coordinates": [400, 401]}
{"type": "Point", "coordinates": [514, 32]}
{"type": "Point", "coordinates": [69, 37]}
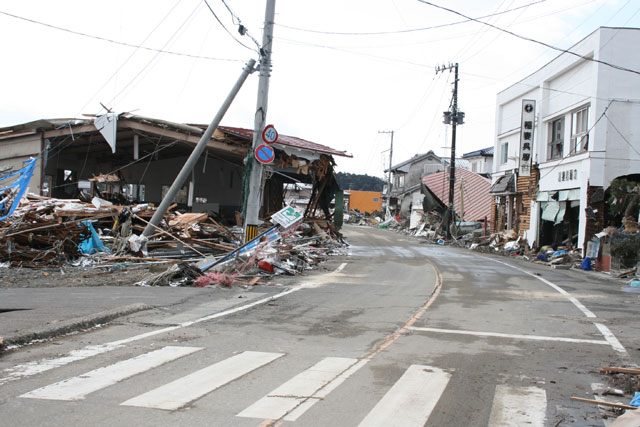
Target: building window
{"type": "Point", "coordinates": [556, 131]}
{"type": "Point", "coordinates": [504, 152]}
{"type": "Point", "coordinates": [579, 130]}
{"type": "Point", "coordinates": [400, 181]}
{"type": "Point", "coordinates": [474, 167]}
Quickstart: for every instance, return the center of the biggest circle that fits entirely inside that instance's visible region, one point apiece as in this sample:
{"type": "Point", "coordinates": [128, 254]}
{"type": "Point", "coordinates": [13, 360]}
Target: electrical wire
{"type": "Point", "coordinates": [104, 39]}
{"type": "Point", "coordinates": [573, 150]}
{"type": "Point", "coordinates": [620, 133]}
{"type": "Point", "coordinates": [586, 58]}
{"type": "Point", "coordinates": [407, 31]}
{"type": "Point", "coordinates": [151, 61]}
{"type": "Point", "coordinates": [226, 29]}
{"type": "Point", "coordinates": [238, 21]}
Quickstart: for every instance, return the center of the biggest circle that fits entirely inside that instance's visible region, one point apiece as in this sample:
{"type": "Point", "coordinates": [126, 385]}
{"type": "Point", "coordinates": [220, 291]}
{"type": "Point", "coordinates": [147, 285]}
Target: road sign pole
{"type": "Point", "coordinates": [254, 196]}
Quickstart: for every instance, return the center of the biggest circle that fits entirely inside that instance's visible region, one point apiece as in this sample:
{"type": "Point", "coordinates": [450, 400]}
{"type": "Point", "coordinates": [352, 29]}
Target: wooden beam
{"type": "Point", "coordinates": [216, 145]}
{"type": "Point", "coordinates": [603, 403]}
{"type": "Point", "coordinates": [68, 130]}
{"type": "Point", "coordinates": [617, 370]}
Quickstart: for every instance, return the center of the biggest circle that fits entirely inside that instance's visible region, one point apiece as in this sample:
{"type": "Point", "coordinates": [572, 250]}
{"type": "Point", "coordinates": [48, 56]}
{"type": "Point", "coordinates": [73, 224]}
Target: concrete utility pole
{"type": "Point", "coordinates": [254, 195]}
{"type": "Point", "coordinates": [453, 117]}
{"type": "Point", "coordinates": [390, 164]}
{"type": "Point", "coordinates": [196, 153]}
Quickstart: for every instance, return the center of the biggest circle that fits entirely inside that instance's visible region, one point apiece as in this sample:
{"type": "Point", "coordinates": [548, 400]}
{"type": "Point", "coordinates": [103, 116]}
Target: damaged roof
{"type": "Point", "coordinates": [475, 192]}
{"type": "Point", "coordinates": [193, 131]}
{"type": "Point", "coordinates": [286, 140]}
{"type": "Point", "coordinates": [505, 184]}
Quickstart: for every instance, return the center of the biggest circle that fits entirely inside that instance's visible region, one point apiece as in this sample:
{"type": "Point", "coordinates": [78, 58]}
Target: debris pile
{"type": "Point", "coordinates": [621, 399]}
{"type": "Point", "coordinates": [197, 249]}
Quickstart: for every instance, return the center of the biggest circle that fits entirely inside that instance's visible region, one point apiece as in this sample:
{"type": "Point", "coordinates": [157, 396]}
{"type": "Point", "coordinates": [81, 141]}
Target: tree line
{"type": "Point", "coordinates": [358, 182]}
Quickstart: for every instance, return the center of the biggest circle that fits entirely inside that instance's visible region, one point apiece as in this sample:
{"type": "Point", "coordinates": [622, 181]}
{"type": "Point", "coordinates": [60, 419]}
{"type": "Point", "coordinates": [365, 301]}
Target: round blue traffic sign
{"type": "Point", "coordinates": [264, 154]}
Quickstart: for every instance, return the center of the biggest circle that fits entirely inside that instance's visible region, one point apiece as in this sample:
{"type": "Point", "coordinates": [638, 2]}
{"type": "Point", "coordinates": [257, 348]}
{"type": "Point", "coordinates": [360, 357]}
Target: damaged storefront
{"type": "Point", "coordinates": [559, 217]}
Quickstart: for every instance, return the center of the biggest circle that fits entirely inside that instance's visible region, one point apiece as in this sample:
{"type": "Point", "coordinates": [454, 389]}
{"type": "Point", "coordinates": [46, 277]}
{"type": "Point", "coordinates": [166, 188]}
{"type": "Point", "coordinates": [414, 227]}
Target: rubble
{"type": "Point", "coordinates": [194, 247]}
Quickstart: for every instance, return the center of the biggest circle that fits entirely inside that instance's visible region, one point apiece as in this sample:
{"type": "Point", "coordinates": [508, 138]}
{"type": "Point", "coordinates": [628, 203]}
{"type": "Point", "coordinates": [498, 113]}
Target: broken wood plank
{"type": "Point", "coordinates": [212, 244]}
{"type": "Point", "coordinates": [603, 403]}
{"type": "Point", "coordinates": [170, 235]}
{"type": "Point", "coordinates": [618, 370]}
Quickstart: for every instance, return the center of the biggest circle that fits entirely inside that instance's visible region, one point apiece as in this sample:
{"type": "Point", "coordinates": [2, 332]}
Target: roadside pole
{"type": "Point", "coordinates": [197, 152]}
{"type": "Point", "coordinates": [254, 193]}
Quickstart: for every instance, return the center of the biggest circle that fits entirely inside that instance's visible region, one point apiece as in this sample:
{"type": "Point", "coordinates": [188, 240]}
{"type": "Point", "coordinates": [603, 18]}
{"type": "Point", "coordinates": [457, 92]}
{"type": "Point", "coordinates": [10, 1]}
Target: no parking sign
{"type": "Point", "coordinates": [264, 154]}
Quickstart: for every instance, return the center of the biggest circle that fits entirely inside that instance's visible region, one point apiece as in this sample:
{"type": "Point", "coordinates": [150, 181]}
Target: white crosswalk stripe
{"type": "Point", "coordinates": [411, 399]}
{"type": "Point", "coordinates": [518, 406]}
{"type": "Point", "coordinates": [78, 387]}
{"type": "Point", "coordinates": [296, 396]}
{"type": "Point", "coordinates": [184, 390]}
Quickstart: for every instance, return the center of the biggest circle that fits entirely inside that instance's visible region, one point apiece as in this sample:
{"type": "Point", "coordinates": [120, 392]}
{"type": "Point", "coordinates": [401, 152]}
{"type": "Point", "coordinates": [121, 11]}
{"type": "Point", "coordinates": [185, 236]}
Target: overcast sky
{"type": "Point", "coordinates": [343, 70]}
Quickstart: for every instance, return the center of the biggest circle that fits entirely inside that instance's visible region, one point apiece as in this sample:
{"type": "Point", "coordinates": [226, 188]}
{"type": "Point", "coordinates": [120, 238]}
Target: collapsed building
{"type": "Point", "coordinates": [125, 158]}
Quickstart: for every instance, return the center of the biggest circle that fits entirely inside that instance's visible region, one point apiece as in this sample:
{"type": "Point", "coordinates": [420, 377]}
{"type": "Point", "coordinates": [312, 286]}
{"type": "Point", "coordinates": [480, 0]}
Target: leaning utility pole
{"type": "Point", "coordinates": [390, 160]}
{"type": "Point", "coordinates": [452, 117]}
{"type": "Point", "coordinates": [254, 193]}
{"type": "Point", "coordinates": [196, 153]}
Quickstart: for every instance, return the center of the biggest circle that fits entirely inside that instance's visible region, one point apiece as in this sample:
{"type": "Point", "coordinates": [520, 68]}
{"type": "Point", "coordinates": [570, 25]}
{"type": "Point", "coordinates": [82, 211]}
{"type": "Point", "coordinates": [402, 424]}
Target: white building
{"type": "Point", "coordinates": [586, 134]}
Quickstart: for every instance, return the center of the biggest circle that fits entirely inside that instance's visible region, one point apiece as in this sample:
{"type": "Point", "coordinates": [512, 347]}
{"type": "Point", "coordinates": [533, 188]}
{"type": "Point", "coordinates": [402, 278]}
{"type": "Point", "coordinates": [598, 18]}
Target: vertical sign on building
{"type": "Point", "coordinates": [526, 136]}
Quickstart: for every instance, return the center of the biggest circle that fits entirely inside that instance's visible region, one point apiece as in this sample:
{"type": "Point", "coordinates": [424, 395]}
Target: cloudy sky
{"type": "Point", "coordinates": [343, 71]}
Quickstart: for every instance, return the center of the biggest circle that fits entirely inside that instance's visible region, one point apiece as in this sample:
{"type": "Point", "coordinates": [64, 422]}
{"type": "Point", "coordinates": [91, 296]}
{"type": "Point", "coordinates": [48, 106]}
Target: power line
{"type": "Point", "coordinates": [104, 39]}
{"type": "Point", "coordinates": [574, 150]}
{"type": "Point", "coordinates": [241, 28]}
{"type": "Point", "coordinates": [148, 64]}
{"type": "Point", "coordinates": [617, 67]}
{"type": "Point", "coordinates": [225, 28]}
{"type": "Point", "coordinates": [620, 133]}
{"type": "Point", "coordinates": [410, 30]}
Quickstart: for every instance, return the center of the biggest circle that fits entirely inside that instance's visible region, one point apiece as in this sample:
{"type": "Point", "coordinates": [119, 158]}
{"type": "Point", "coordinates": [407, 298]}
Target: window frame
{"type": "Point", "coordinates": [555, 143]}
{"type": "Point", "coordinates": [580, 130]}
{"type": "Point", "coordinates": [504, 152]}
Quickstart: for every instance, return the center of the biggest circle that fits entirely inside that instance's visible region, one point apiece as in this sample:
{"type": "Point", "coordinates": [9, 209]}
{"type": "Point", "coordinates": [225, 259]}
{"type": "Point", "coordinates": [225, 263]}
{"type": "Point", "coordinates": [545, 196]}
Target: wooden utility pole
{"type": "Point", "coordinates": [454, 118]}
{"type": "Point", "coordinates": [390, 164]}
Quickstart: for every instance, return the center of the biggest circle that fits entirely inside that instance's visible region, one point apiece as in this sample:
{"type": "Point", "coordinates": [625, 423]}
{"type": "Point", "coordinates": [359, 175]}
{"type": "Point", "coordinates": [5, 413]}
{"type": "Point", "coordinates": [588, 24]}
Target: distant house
{"type": "Point", "coordinates": [480, 161]}
{"type": "Point", "coordinates": [365, 201]}
{"type": "Point", "coordinates": [131, 157]}
{"type": "Point", "coordinates": [472, 201]}
{"type": "Point", "coordinates": [406, 180]}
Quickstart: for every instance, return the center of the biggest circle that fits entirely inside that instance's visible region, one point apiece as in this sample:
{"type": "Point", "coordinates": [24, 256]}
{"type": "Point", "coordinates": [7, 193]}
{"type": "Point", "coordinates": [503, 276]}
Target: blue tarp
{"type": "Point", "coordinates": [20, 185]}
{"type": "Point", "coordinates": [92, 244]}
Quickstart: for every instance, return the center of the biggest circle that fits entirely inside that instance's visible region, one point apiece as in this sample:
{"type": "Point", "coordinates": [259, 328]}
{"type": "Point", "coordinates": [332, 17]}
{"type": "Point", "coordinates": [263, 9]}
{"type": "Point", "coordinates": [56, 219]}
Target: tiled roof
{"type": "Point", "coordinates": [290, 141]}
{"type": "Point", "coordinates": [475, 189]}
{"type": "Point", "coordinates": [483, 152]}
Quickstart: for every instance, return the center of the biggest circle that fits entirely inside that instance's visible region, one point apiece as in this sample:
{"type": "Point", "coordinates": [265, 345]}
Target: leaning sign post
{"type": "Point", "coordinates": [286, 217]}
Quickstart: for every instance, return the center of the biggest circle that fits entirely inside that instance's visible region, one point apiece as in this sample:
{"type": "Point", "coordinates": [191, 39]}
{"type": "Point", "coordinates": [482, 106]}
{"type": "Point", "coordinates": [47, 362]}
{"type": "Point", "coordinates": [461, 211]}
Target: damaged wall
{"type": "Point", "coordinates": [14, 151]}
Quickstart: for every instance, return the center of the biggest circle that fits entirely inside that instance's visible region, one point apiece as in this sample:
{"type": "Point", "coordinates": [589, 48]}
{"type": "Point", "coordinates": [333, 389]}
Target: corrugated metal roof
{"type": "Point", "coordinates": [286, 140]}
{"type": "Point", "coordinates": [475, 189]}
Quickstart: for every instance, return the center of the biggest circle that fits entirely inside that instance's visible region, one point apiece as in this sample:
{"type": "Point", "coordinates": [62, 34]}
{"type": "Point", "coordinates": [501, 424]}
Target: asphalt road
{"type": "Point", "coordinates": [398, 333]}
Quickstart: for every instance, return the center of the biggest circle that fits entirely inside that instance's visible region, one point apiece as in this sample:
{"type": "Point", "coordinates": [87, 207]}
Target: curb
{"type": "Point", "coordinates": [73, 325]}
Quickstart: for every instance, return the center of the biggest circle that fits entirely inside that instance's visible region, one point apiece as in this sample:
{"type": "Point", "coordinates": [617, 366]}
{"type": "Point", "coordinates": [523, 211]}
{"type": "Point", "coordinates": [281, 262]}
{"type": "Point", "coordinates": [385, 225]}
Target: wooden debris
{"type": "Point", "coordinates": [618, 370]}
{"type": "Point", "coordinates": [603, 403]}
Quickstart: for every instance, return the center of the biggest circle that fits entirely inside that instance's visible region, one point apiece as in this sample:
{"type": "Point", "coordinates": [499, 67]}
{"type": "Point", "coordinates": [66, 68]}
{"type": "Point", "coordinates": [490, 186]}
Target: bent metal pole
{"type": "Point", "coordinates": [197, 151]}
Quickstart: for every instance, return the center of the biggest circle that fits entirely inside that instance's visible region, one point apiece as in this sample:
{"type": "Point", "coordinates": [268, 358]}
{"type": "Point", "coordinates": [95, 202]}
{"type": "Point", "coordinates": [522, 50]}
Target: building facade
{"type": "Point", "coordinates": [584, 133]}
